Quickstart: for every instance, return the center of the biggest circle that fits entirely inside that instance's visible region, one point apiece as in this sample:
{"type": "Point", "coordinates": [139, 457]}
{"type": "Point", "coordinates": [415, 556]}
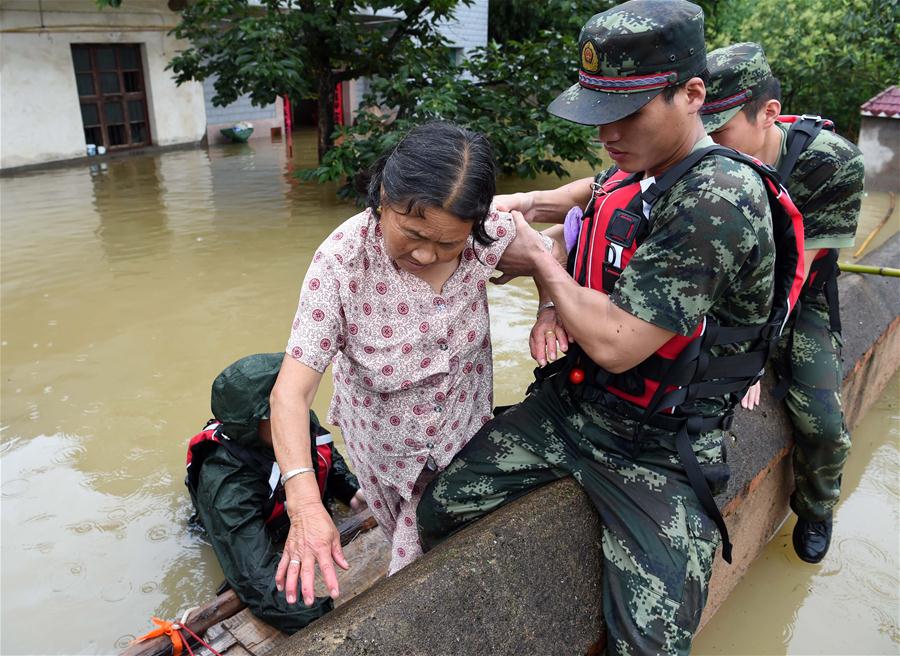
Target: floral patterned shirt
{"type": "Point", "coordinates": [412, 369]}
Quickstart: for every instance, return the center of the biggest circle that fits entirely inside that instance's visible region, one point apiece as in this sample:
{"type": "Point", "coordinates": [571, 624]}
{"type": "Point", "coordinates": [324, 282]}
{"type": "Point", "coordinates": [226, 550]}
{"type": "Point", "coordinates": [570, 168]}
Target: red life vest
{"type": "Point", "coordinates": [824, 270]}
{"type": "Point", "coordinates": [605, 245]}
{"type": "Point", "coordinates": [211, 437]}
{"type": "Point", "coordinates": [615, 230]}
{"type": "Point", "coordinates": [662, 390]}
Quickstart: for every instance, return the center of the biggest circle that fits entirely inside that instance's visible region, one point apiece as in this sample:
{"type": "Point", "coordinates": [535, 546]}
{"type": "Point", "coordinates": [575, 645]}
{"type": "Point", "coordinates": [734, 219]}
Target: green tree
{"type": "Point", "coordinates": [501, 90]}
{"type": "Point", "coordinates": [301, 48]}
{"type": "Point", "coordinates": [830, 55]}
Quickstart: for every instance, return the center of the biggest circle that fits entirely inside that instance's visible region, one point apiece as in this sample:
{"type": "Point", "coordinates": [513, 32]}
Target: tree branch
{"type": "Point", "coordinates": [402, 30]}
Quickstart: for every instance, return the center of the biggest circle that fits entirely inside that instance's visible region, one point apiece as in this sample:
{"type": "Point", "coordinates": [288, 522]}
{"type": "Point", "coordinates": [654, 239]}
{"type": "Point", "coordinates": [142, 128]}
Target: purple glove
{"type": "Point", "coordinates": [572, 226]}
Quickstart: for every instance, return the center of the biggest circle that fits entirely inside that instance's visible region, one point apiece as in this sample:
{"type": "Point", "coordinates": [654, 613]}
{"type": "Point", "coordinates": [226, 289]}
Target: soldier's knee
{"type": "Point", "coordinates": [430, 520]}
{"type": "Point", "coordinates": [833, 430]}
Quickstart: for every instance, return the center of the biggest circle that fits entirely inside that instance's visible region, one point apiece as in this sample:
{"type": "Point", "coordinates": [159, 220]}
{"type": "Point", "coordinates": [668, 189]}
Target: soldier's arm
{"type": "Point", "coordinates": [230, 502]}
{"type": "Point", "coordinates": [831, 212]}
{"type": "Point", "coordinates": [547, 206]}
{"type": "Point", "coordinates": [611, 337]}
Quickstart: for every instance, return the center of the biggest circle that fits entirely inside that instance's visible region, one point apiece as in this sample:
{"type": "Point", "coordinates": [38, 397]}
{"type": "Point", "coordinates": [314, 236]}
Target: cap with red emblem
{"type": "Point", "coordinates": [628, 55]}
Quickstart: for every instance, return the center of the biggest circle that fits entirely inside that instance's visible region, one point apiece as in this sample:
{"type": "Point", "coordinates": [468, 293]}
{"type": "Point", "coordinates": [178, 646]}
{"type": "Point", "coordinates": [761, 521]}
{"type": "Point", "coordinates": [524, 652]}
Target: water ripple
{"type": "Point", "coordinates": [14, 488]}
{"type": "Point", "coordinates": [122, 642]}
{"type": "Point", "coordinates": [116, 591]}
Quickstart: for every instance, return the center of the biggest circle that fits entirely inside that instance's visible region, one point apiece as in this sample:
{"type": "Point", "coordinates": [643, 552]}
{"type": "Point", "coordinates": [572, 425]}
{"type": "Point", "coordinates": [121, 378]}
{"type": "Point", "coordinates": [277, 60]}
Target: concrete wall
{"type": "Point", "coordinates": [526, 579]}
{"type": "Point", "coordinates": [40, 116]}
{"type": "Point", "coordinates": [879, 141]}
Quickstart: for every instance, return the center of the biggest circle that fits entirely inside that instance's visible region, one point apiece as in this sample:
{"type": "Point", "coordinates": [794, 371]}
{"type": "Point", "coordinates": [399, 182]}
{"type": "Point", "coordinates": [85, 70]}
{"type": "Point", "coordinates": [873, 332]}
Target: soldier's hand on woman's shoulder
{"type": "Point", "coordinates": [520, 202]}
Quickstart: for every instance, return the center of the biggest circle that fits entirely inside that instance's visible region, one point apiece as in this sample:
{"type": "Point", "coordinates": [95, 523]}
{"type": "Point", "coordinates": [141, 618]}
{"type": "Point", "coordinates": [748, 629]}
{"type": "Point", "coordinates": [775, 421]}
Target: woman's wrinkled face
{"type": "Point", "coordinates": [417, 243]}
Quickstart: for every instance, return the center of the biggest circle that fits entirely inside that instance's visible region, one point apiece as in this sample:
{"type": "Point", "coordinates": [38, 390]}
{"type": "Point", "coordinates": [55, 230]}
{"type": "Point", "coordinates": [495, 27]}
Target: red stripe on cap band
{"type": "Point", "coordinates": [727, 103]}
{"type": "Point", "coordinates": [625, 84]}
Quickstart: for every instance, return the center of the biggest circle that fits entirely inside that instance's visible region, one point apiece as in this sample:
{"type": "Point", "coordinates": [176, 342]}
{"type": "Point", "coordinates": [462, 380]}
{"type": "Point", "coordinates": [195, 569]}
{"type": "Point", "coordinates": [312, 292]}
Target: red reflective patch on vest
{"type": "Point", "coordinates": [599, 261]}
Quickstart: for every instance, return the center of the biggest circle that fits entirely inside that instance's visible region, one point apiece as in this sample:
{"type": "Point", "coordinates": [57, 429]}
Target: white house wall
{"type": "Point", "coordinates": [467, 30]}
{"type": "Point", "coordinates": [40, 116]}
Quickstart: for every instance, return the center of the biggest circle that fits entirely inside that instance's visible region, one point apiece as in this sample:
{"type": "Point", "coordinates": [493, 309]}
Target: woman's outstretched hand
{"type": "Point", "coordinates": [313, 538]}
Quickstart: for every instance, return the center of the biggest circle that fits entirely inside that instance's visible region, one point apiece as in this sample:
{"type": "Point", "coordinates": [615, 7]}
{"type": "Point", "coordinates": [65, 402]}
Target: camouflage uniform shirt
{"type": "Point", "coordinates": [827, 186]}
{"type": "Point", "coordinates": [710, 251]}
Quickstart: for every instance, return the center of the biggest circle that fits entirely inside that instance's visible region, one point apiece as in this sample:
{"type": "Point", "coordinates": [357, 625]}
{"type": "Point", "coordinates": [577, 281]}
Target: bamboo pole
{"type": "Point", "coordinates": [869, 270]}
{"type": "Point", "coordinates": [865, 244]}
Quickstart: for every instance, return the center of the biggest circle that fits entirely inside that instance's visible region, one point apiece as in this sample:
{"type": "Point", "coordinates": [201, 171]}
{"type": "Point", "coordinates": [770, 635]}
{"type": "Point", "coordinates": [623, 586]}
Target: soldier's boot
{"type": "Point", "coordinates": [812, 538]}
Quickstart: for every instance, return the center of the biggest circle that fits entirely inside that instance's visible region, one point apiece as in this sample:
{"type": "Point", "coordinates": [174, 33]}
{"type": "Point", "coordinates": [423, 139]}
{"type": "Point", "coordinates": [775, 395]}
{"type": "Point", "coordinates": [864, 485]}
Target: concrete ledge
{"type": "Point", "coordinates": [526, 579]}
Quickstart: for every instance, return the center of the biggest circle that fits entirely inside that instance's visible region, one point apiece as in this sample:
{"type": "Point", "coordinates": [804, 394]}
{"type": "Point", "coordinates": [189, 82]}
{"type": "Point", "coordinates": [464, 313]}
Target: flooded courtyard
{"type": "Point", "coordinates": [128, 285]}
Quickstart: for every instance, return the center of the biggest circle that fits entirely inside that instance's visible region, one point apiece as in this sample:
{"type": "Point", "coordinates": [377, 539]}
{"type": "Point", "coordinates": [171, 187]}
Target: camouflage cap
{"type": "Point", "coordinates": [628, 55]}
{"type": "Point", "coordinates": [240, 397]}
{"type": "Point", "coordinates": [735, 72]}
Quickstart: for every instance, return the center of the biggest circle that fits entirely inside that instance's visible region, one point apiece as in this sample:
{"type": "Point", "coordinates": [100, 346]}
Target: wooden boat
{"type": "Point", "coordinates": [237, 134]}
{"type": "Point", "coordinates": [228, 626]}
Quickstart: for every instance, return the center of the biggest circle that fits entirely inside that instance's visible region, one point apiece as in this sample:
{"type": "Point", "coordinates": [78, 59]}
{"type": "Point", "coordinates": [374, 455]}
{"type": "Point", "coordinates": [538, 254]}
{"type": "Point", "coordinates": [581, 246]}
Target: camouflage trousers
{"type": "Point", "coordinates": [658, 544]}
{"type": "Point", "coordinates": [813, 401]}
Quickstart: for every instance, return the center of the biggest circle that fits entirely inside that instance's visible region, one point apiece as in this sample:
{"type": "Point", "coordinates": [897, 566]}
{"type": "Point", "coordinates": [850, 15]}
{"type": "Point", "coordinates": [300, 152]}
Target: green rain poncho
{"type": "Point", "coordinates": [231, 495]}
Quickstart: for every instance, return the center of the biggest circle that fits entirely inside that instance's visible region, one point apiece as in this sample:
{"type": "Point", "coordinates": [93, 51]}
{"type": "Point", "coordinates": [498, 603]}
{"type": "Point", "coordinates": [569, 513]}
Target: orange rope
{"type": "Point", "coordinates": [168, 629]}
{"type": "Point", "coordinates": [173, 630]}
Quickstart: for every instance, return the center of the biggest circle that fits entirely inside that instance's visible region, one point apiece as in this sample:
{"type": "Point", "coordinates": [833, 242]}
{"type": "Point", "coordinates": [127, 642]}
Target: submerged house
{"type": "Point", "coordinates": [72, 75]}
{"type": "Point", "coordinates": [74, 78]}
{"type": "Point", "coordinates": [879, 140]}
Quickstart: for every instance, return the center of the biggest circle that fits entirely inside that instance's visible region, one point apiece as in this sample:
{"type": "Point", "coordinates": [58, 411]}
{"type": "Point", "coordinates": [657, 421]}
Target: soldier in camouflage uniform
{"type": "Point", "coordinates": [709, 253]}
{"type": "Point", "coordinates": [826, 183]}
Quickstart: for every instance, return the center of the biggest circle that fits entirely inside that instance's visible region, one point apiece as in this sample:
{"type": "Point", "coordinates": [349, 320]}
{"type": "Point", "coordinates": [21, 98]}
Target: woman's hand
{"type": "Point", "coordinates": [313, 538]}
{"type": "Point", "coordinates": [520, 202]}
{"type": "Point", "coordinates": [751, 398]}
{"type": "Point", "coordinates": [548, 337]}
{"type": "Point", "coordinates": [358, 502]}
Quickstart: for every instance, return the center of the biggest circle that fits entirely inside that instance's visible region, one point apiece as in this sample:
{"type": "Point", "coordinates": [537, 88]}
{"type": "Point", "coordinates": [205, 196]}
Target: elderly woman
{"type": "Point", "coordinates": [395, 298]}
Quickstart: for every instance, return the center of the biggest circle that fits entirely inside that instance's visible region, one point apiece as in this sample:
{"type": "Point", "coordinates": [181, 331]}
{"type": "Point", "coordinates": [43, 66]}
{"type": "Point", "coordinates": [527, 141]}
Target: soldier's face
{"type": "Point", "coordinates": [742, 134]}
{"type": "Point", "coordinates": [651, 138]}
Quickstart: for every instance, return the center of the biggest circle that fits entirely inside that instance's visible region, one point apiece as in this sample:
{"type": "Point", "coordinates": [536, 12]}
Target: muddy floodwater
{"type": "Point", "coordinates": [128, 285]}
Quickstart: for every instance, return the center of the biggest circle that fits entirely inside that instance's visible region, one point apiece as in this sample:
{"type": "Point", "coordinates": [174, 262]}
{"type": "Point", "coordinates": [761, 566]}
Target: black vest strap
{"type": "Point", "coordinates": [664, 182]}
{"type": "Point", "coordinates": [799, 136]}
{"type": "Point", "coordinates": [698, 481]}
{"type": "Point", "coordinates": [826, 273]}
